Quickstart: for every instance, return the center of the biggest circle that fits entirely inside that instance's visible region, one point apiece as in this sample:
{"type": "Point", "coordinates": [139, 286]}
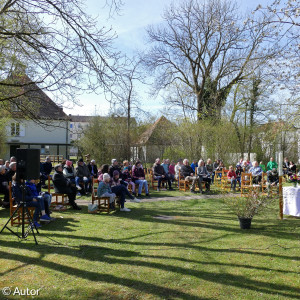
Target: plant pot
{"type": "Point", "coordinates": [245, 223]}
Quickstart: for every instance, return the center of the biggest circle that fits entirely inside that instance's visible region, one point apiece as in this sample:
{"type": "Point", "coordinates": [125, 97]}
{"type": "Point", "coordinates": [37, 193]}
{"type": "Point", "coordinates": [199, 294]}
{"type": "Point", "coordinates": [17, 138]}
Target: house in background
{"type": "Point", "coordinates": [48, 128]}
{"type": "Point", "coordinates": [153, 142]}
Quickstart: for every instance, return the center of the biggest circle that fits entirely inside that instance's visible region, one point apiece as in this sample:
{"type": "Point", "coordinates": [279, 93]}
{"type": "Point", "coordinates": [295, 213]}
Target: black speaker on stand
{"type": "Point", "coordinates": [28, 167]}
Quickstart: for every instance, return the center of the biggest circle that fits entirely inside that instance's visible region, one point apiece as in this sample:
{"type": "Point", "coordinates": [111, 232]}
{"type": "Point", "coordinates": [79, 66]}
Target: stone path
{"type": "Point", "coordinates": [80, 201]}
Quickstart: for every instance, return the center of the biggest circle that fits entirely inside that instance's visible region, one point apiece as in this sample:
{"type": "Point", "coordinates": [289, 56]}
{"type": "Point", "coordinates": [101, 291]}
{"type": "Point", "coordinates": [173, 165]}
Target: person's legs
{"type": "Point", "coordinates": [159, 179]}
{"type": "Point", "coordinates": [145, 183]}
{"type": "Point", "coordinates": [169, 181]}
{"type": "Point", "coordinates": [119, 191]}
{"type": "Point", "coordinates": [140, 183]}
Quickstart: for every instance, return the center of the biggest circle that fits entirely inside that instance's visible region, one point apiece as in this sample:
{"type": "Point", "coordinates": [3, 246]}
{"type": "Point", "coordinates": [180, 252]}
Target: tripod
{"type": "Point", "coordinates": [24, 209]}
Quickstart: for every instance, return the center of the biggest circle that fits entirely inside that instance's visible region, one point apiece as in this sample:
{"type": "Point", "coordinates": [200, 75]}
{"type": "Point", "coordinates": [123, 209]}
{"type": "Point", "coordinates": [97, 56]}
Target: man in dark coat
{"type": "Point", "coordinates": [160, 174]}
{"type": "Point", "coordinates": [63, 185]}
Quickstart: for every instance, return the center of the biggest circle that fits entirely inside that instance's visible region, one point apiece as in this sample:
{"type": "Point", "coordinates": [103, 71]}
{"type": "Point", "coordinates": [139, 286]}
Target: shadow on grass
{"type": "Point", "coordinates": [124, 257]}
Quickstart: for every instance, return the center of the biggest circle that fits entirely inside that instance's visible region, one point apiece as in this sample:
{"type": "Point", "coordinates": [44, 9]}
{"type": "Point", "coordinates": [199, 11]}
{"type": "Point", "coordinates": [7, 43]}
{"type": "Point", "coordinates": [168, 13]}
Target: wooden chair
{"type": "Point", "coordinates": [57, 198]}
{"type": "Point", "coordinates": [225, 182]}
{"type": "Point", "coordinates": [246, 183]}
{"type": "Point", "coordinates": [17, 219]}
{"type": "Point", "coordinates": [185, 185]}
{"type": "Point", "coordinates": [103, 202]}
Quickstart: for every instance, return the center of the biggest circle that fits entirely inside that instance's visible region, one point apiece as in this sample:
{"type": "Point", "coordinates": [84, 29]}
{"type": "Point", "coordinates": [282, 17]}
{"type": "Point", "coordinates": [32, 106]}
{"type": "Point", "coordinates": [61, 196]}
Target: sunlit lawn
{"type": "Point", "coordinates": [199, 254]}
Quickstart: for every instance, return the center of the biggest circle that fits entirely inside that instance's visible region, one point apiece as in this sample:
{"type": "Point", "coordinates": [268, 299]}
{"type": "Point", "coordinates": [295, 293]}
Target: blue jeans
{"type": "Point", "coordinates": [37, 210]}
{"type": "Point", "coordinates": [238, 179]}
{"type": "Point", "coordinates": [121, 191]}
{"type": "Point", "coordinates": [141, 183]}
{"type": "Point", "coordinates": [86, 182]}
{"type": "Point", "coordinates": [233, 182]}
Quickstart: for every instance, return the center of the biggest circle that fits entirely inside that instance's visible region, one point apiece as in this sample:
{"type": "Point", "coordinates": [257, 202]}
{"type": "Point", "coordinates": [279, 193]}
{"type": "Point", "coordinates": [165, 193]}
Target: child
{"type": "Point", "coordinates": [104, 190]}
{"type": "Point", "coordinates": [231, 175]}
{"type": "Point", "coordinates": [238, 172]}
{"type": "Point", "coordinates": [44, 197]}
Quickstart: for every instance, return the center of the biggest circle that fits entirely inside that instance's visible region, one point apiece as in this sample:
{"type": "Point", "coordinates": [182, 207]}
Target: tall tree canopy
{"type": "Point", "coordinates": [207, 47]}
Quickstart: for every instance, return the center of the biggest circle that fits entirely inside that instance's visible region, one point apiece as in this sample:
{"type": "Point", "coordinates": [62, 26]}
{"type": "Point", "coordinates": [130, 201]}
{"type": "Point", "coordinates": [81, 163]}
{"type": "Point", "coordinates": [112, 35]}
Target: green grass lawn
{"type": "Point", "coordinates": [199, 254]}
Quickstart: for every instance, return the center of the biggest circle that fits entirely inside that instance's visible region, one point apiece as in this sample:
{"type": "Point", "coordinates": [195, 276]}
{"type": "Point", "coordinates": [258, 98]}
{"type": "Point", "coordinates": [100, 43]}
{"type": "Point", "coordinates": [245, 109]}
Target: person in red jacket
{"type": "Point", "coordinates": [231, 175]}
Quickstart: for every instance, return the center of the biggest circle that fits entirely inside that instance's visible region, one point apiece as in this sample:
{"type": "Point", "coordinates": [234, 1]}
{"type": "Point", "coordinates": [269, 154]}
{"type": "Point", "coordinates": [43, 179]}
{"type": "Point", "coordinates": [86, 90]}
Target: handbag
{"type": "Point", "coordinates": [92, 208]}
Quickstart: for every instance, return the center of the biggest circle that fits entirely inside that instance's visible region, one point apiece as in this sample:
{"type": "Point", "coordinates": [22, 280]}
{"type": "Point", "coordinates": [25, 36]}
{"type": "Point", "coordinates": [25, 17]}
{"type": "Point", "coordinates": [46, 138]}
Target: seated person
{"type": "Point", "coordinates": [160, 174]}
{"type": "Point", "coordinates": [7, 162]}
{"type": "Point", "coordinates": [246, 167]}
{"type": "Point", "coordinates": [128, 179]}
{"type": "Point", "coordinates": [64, 186]}
{"type": "Point", "coordinates": [11, 171]}
{"type": "Point", "coordinates": [114, 167]}
{"type": "Point", "coordinates": [231, 175]}
{"type": "Point", "coordinates": [104, 169]}
{"type": "Point", "coordinates": [172, 170]}
{"type": "Point", "coordinates": [285, 166]}
{"type": "Point", "coordinates": [31, 201]}
{"type": "Point", "coordinates": [4, 187]}
{"type": "Point", "coordinates": [43, 197]}
{"type": "Point", "coordinates": [263, 167]}
{"type": "Point", "coordinates": [69, 171]}
{"type": "Point", "coordinates": [210, 170]}
{"type": "Point", "coordinates": [272, 164]}
{"type": "Point", "coordinates": [188, 174]}
{"type": "Point", "coordinates": [238, 172]}
{"type": "Point", "coordinates": [120, 190]}
{"type": "Point", "coordinates": [177, 168]}
{"type": "Point", "coordinates": [83, 175]}
{"type": "Point", "coordinates": [139, 178]}
{"type": "Point", "coordinates": [93, 168]}
{"type": "Point", "coordinates": [291, 169]}
{"type": "Point", "coordinates": [203, 175]}
{"type": "Point", "coordinates": [45, 170]}
{"type": "Point", "coordinates": [256, 172]}
{"type": "Point", "coordinates": [194, 165]}
{"type": "Point", "coordinates": [272, 179]}
{"type": "Point", "coordinates": [104, 190]}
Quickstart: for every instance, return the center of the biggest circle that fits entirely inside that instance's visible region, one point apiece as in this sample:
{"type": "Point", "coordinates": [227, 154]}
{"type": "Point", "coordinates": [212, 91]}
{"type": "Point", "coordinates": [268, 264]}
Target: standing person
{"type": "Point", "coordinates": [188, 174]}
{"type": "Point", "coordinates": [160, 174]}
{"type": "Point", "coordinates": [272, 164]}
{"type": "Point", "coordinates": [93, 168]}
{"type": "Point", "coordinates": [63, 186]}
{"type": "Point", "coordinates": [231, 175]}
{"type": "Point", "coordinates": [203, 174]}
{"type": "Point", "coordinates": [83, 175]}
{"type": "Point", "coordinates": [139, 178]}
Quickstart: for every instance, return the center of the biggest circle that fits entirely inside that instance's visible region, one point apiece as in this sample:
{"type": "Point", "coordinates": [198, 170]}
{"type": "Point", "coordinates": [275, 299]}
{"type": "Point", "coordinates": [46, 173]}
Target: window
{"type": "Point", "coordinates": [15, 106]}
{"type": "Point", "coordinates": [15, 129]}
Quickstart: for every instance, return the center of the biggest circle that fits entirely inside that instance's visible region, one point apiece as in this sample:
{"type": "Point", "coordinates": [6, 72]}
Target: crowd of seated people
{"type": "Point", "coordinates": [127, 180]}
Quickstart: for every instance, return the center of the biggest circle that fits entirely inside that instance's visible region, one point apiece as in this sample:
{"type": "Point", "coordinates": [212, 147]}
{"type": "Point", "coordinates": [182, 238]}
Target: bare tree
{"type": "Point", "coordinates": [206, 46]}
{"type": "Point", "coordinates": [59, 47]}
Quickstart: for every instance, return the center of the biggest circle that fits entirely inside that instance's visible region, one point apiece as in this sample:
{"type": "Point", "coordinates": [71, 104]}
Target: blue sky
{"type": "Point", "coordinates": [130, 26]}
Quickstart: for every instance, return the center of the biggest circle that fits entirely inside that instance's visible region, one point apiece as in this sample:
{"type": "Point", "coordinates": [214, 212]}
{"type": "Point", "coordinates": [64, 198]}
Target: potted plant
{"type": "Point", "coordinates": [247, 207]}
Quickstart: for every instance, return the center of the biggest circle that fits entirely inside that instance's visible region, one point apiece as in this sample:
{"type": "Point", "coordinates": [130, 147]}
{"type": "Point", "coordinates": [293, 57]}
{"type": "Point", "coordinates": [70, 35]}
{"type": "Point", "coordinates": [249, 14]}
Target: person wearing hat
{"type": "Point", "coordinates": [93, 168]}
{"type": "Point", "coordinates": [63, 186]}
{"type": "Point", "coordinates": [83, 175]}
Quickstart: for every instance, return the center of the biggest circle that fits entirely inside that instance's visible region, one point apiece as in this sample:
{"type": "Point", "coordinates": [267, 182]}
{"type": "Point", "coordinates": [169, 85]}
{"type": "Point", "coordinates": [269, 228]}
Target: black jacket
{"type": "Point", "coordinates": [61, 183]}
{"type": "Point", "coordinates": [159, 170]}
{"type": "Point", "coordinates": [186, 171]}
